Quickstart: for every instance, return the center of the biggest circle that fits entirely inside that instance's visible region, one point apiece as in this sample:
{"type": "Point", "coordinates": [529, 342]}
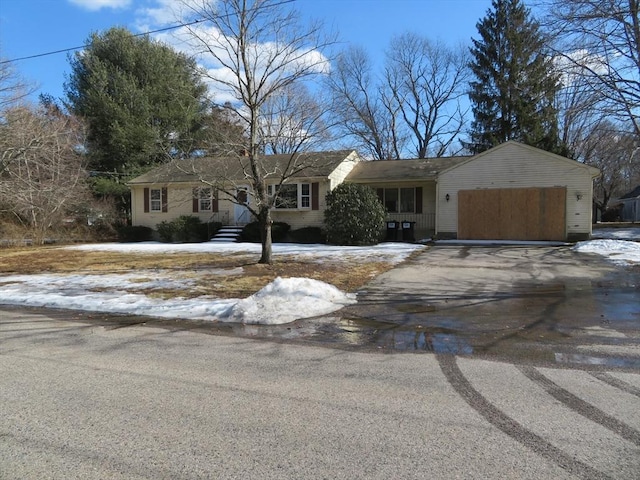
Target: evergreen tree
{"type": "Point", "coordinates": [515, 84]}
{"type": "Point", "coordinates": [142, 100]}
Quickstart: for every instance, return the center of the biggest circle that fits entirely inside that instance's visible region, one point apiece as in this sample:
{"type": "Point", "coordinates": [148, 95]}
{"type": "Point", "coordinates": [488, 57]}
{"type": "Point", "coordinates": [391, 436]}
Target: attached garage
{"type": "Point", "coordinates": [515, 192]}
{"type": "Point", "coordinates": [512, 214]}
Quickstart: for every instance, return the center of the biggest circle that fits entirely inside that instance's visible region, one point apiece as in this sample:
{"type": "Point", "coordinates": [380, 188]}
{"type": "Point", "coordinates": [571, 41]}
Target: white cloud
{"type": "Point", "coordinates": [165, 13]}
{"type": "Point", "coordinates": [95, 5]}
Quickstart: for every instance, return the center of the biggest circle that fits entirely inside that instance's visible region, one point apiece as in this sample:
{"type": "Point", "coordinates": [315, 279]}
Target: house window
{"type": "Point", "coordinates": [305, 195]}
{"type": "Point", "coordinates": [204, 199]}
{"type": "Point", "coordinates": [155, 200]}
{"type": "Point", "coordinates": [293, 195]}
{"type": "Point", "coordinates": [398, 200]}
{"type": "Point", "coordinates": [407, 200]}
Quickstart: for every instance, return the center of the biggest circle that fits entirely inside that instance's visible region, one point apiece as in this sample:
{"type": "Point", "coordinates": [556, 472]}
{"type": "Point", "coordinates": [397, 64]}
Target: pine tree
{"type": "Point", "coordinates": [515, 84]}
{"type": "Point", "coordinates": [142, 100]}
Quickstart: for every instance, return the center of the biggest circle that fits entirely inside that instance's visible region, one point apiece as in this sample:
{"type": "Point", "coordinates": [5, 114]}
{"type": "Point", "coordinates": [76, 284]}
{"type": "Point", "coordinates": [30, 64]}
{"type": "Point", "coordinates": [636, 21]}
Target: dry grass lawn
{"type": "Point", "coordinates": [206, 269]}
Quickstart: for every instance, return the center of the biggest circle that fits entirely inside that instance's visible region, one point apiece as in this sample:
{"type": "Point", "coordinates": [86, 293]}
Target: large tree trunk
{"type": "Point", "coordinates": [265, 222]}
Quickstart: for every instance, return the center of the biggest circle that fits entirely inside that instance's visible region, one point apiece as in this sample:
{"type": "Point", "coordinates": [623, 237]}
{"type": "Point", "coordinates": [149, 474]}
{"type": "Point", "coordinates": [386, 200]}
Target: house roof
{"type": "Point", "coordinates": [593, 171]}
{"type": "Point", "coordinates": [632, 194]}
{"type": "Point", "coordinates": [401, 170]}
{"type": "Point", "coordinates": [313, 164]}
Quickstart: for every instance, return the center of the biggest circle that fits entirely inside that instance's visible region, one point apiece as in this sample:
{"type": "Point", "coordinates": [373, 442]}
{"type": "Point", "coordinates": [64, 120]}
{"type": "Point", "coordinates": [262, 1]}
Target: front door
{"type": "Point", "coordinates": [241, 213]}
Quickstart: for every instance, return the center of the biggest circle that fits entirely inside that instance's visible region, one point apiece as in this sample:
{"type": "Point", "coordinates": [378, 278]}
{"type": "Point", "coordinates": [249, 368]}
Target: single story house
{"type": "Point", "coordinates": [188, 187]}
{"type": "Point", "coordinates": [510, 192]}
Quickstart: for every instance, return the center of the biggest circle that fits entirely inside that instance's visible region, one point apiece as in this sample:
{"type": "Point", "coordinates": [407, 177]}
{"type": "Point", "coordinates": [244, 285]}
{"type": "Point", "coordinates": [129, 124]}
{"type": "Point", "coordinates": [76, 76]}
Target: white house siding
{"type": "Point", "coordinates": [299, 218]}
{"type": "Point", "coordinates": [517, 166]}
{"type": "Point", "coordinates": [180, 203]}
{"type": "Point", "coordinates": [340, 173]}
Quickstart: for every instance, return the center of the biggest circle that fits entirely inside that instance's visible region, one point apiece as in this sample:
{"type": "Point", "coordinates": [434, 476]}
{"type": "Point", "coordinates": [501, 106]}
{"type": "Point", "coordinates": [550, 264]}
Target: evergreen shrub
{"type": "Point", "coordinates": [354, 215]}
{"type": "Point", "coordinates": [251, 232]}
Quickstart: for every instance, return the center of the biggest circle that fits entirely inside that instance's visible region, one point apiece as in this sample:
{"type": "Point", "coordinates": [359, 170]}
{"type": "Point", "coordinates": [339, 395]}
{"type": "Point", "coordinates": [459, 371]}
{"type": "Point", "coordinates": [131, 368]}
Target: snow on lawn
{"type": "Point", "coordinates": [620, 245]}
{"type": "Point", "coordinates": [282, 301]}
{"type": "Point", "coordinates": [386, 252]}
{"type": "Point", "coordinates": [619, 251]}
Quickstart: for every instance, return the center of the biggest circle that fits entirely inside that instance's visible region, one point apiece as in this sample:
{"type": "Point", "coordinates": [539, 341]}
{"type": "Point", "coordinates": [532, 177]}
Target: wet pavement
{"type": "Point", "coordinates": [544, 305]}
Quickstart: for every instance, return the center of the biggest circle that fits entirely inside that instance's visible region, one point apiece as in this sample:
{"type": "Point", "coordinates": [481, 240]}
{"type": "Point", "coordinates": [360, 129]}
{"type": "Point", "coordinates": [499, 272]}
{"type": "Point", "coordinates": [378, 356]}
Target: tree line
{"type": "Point", "coordinates": [566, 80]}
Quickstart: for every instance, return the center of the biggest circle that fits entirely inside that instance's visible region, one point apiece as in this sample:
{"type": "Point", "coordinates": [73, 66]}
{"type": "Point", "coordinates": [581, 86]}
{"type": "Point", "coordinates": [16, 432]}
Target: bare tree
{"type": "Point", "coordinates": [362, 110]}
{"type": "Point", "coordinates": [44, 178]}
{"type": "Point", "coordinates": [427, 81]}
{"type": "Point", "coordinates": [617, 155]}
{"type": "Point", "coordinates": [600, 40]}
{"type": "Point", "coordinates": [292, 119]}
{"type": "Point", "coordinates": [258, 49]}
{"type": "Point", "coordinates": [13, 88]}
{"type": "Point", "coordinates": [578, 111]}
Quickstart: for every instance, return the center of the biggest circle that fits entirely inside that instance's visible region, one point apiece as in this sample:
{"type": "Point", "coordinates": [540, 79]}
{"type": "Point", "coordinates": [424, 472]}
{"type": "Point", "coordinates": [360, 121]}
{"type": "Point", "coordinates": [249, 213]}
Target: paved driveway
{"type": "Point", "coordinates": [545, 302]}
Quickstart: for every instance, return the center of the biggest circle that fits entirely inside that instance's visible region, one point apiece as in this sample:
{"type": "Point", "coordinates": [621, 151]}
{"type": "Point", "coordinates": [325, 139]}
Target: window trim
{"type": "Point", "coordinates": [205, 194]}
{"type": "Point", "coordinates": [299, 196]}
{"type": "Point", "coordinates": [155, 201]}
{"type": "Point", "coordinates": [417, 199]}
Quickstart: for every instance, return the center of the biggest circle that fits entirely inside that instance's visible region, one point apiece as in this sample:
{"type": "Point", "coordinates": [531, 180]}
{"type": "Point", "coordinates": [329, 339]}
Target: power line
{"type": "Point", "coordinates": [71, 49]}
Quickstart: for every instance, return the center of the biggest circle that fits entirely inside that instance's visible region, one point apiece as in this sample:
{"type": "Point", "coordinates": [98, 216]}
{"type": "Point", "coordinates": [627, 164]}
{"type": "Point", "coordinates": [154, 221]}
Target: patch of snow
{"type": "Point", "coordinates": [287, 299]}
{"type": "Point", "coordinates": [622, 233]}
{"type": "Point", "coordinates": [390, 252]}
{"type": "Point", "coordinates": [282, 301]}
{"type": "Point", "coordinates": [620, 252]}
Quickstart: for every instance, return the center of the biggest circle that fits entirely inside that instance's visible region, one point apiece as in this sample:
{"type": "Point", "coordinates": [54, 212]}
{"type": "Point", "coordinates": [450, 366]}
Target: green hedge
{"type": "Point", "coordinates": [186, 229]}
{"type": "Point", "coordinates": [308, 235]}
{"type": "Point", "coordinates": [134, 234]}
{"type": "Point", "coordinates": [354, 215]}
{"type": "Point", "coordinates": [251, 232]}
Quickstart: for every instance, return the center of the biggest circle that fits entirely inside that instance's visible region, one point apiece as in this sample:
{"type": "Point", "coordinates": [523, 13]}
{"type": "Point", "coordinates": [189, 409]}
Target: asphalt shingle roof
{"type": "Point", "coordinates": [318, 164]}
{"type": "Point", "coordinates": [399, 170]}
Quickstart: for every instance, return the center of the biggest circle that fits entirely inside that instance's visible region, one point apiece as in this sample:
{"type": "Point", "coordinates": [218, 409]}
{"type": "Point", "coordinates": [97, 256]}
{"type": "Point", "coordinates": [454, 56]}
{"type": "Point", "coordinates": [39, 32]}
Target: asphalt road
{"type": "Point", "coordinates": [86, 400]}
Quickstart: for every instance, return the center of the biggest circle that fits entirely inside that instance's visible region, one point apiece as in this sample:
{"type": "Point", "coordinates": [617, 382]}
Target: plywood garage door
{"type": "Point", "coordinates": [512, 214]}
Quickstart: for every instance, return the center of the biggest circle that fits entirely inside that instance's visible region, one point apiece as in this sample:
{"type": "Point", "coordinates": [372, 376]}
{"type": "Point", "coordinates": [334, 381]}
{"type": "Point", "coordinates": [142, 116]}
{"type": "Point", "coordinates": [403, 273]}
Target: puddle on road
{"type": "Point", "coordinates": [530, 322]}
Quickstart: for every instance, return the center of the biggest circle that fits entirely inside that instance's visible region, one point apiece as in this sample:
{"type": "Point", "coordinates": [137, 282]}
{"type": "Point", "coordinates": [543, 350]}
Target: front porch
{"type": "Point", "coordinates": [422, 224]}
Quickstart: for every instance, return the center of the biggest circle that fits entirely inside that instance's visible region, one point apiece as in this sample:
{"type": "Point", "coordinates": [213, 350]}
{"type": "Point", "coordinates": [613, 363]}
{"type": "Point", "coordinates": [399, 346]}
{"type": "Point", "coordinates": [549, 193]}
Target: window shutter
{"type": "Point", "coordinates": [315, 196]}
{"type": "Point", "coordinates": [146, 200]}
{"type": "Point", "coordinates": [165, 200]}
{"type": "Point", "coordinates": [418, 199]}
{"type": "Point", "coordinates": [380, 192]}
{"type": "Point", "coordinates": [195, 202]}
{"type": "Point", "coordinates": [214, 201]}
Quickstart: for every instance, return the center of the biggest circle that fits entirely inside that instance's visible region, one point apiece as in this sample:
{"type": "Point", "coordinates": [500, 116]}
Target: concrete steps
{"type": "Point", "coordinates": [227, 234]}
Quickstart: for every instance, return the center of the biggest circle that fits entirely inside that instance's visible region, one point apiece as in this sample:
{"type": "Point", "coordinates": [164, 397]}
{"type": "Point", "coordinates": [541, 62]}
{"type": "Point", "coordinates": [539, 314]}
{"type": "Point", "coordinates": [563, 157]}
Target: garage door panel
{"type": "Point", "coordinates": [512, 214]}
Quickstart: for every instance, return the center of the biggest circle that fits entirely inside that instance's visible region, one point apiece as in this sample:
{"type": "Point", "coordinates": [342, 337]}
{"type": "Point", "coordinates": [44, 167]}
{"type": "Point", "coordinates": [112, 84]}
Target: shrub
{"type": "Point", "coordinates": [251, 232]}
{"type": "Point", "coordinates": [308, 235]}
{"type": "Point", "coordinates": [354, 215]}
{"type": "Point", "coordinates": [134, 234]}
{"type": "Point", "coordinates": [186, 228]}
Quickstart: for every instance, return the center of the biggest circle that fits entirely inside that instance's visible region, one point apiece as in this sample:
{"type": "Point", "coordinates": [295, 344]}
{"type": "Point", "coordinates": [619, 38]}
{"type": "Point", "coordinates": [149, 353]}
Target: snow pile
{"type": "Point", "coordinates": [282, 301]}
{"type": "Point", "coordinates": [619, 251]}
{"type": "Point", "coordinates": [287, 299]}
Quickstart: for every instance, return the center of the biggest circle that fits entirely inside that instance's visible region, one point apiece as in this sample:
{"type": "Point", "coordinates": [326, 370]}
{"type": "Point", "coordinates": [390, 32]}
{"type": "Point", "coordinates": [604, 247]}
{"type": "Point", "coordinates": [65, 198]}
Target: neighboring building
{"type": "Point", "coordinates": [628, 206]}
{"type": "Point", "coordinates": [511, 192]}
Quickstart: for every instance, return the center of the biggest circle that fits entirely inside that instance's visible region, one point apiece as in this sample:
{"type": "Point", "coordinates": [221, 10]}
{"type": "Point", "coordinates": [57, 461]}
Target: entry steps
{"type": "Point", "coordinates": [227, 234]}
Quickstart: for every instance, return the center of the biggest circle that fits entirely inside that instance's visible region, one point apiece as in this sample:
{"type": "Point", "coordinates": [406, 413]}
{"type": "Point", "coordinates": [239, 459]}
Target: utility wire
{"type": "Point", "coordinates": [84, 46]}
{"type": "Point", "coordinates": [71, 49]}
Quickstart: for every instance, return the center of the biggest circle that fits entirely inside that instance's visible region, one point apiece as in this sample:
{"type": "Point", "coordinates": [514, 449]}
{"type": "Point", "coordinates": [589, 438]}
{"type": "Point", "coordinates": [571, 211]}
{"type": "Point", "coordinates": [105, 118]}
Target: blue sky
{"type": "Point", "coordinates": [33, 27]}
